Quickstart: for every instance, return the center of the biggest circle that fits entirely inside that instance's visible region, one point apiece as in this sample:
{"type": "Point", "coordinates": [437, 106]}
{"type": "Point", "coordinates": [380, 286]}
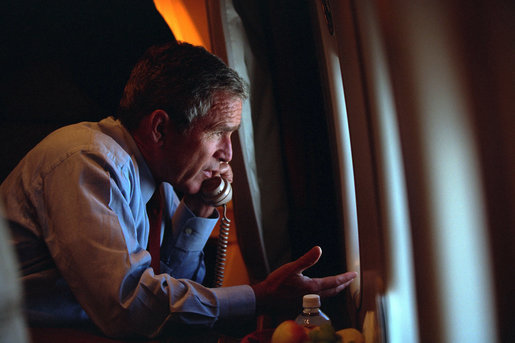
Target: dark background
{"type": "Point", "coordinates": [65, 62]}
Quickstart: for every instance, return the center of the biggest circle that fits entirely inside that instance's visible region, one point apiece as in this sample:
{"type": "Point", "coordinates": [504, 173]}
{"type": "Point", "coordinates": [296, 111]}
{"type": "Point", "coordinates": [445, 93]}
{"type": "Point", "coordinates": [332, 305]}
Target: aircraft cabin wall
{"type": "Point", "coordinates": [427, 106]}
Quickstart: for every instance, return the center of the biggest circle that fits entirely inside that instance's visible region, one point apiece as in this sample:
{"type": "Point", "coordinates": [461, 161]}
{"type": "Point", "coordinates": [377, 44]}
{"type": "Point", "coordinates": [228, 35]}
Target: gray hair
{"type": "Point", "coordinates": [179, 78]}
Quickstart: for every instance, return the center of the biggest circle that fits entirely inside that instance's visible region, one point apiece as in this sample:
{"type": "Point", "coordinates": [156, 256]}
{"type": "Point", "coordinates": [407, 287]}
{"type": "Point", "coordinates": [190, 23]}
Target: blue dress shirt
{"type": "Point", "coordinates": [76, 208]}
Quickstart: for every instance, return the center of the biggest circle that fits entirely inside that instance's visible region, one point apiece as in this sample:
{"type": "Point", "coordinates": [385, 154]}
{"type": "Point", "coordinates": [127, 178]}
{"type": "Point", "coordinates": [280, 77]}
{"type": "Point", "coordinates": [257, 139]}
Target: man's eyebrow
{"type": "Point", "coordinates": [224, 128]}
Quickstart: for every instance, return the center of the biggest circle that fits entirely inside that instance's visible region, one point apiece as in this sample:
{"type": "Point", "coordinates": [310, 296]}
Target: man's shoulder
{"type": "Point", "coordinates": [82, 139]}
{"type": "Point", "coordinates": [87, 136]}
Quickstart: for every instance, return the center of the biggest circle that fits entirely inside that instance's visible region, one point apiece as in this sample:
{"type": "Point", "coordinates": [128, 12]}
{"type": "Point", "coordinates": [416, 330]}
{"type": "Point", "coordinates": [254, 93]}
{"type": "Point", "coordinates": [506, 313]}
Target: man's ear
{"type": "Point", "coordinates": [158, 121]}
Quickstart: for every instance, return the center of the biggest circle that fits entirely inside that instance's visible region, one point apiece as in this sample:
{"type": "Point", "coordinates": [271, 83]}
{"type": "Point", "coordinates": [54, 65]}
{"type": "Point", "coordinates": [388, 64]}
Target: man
{"type": "Point", "coordinates": [76, 205]}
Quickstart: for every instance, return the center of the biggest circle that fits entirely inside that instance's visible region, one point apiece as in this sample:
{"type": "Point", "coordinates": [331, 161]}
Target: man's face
{"type": "Point", "coordinates": [198, 152]}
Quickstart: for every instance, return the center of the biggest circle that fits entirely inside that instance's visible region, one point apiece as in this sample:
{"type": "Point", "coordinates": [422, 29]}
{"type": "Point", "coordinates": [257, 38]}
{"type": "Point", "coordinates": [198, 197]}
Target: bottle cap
{"type": "Point", "coordinates": [311, 300]}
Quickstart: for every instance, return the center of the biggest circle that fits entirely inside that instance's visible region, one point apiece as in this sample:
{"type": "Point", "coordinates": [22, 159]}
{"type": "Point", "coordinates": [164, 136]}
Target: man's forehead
{"type": "Point", "coordinates": [226, 109]}
{"type": "Point", "coordinates": [221, 117]}
{"type": "Point", "coordinates": [220, 122]}
{"type": "Point", "coordinates": [226, 103]}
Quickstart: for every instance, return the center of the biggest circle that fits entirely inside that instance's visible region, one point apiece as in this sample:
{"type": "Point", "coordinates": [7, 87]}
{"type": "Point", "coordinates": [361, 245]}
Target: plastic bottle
{"type": "Point", "coordinates": [311, 315]}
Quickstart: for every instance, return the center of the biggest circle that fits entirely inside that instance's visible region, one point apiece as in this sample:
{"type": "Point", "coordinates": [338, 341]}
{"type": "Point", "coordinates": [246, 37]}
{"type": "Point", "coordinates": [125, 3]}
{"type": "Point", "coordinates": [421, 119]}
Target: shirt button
{"type": "Point", "coordinates": [188, 231]}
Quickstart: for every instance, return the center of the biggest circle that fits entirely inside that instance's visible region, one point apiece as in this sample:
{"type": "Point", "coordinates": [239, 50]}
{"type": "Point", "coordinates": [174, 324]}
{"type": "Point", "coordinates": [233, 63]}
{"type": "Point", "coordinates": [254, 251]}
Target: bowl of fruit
{"type": "Point", "coordinates": [291, 332]}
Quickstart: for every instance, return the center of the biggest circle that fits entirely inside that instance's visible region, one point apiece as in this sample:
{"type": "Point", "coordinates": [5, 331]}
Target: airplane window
{"type": "Point", "coordinates": [399, 296]}
{"type": "Point", "coordinates": [343, 155]}
{"type": "Point", "coordinates": [369, 156]}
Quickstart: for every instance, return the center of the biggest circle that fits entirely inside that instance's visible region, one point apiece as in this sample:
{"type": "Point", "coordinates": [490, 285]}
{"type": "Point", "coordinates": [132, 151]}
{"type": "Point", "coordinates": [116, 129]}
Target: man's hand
{"type": "Point", "coordinates": [287, 284]}
{"type": "Point", "coordinates": [225, 171]}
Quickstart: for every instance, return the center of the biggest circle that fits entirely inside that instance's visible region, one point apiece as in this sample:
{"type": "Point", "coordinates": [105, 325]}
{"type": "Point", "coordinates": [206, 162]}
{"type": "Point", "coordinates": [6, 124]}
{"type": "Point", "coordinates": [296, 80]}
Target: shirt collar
{"type": "Point", "coordinates": [147, 182]}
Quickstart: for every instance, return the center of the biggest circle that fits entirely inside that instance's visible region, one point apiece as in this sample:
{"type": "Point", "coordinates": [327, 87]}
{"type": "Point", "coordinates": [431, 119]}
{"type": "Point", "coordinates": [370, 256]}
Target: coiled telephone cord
{"type": "Point", "coordinates": [221, 252]}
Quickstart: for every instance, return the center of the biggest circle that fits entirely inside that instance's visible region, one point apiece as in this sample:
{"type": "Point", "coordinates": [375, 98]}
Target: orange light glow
{"type": "Point", "coordinates": [187, 19]}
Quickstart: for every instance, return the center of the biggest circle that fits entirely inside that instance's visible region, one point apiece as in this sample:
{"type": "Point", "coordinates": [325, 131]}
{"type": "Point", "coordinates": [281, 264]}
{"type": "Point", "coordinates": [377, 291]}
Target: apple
{"type": "Point", "coordinates": [351, 335]}
{"type": "Point", "coordinates": [324, 333]}
{"type": "Point", "coordinates": [289, 332]}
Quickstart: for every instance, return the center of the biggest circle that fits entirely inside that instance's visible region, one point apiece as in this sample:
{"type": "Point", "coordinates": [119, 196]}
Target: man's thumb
{"type": "Point", "coordinates": [308, 259]}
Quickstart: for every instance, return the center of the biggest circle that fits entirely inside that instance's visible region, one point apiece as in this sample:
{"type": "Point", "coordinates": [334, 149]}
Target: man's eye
{"type": "Point", "coordinates": [216, 134]}
{"type": "Point", "coordinates": [221, 133]}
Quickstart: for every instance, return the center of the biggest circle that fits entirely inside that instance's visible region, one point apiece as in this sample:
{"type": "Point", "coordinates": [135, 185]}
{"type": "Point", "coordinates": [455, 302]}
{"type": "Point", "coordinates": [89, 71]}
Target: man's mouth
{"type": "Point", "coordinates": [211, 172]}
{"type": "Point", "coordinates": [208, 173]}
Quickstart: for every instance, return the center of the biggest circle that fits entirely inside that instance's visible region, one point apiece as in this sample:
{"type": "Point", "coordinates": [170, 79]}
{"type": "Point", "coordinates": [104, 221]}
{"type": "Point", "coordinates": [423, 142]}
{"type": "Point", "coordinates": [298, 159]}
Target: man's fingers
{"type": "Point", "coordinates": [307, 260]}
{"type": "Point", "coordinates": [332, 285]}
{"type": "Point", "coordinates": [226, 171]}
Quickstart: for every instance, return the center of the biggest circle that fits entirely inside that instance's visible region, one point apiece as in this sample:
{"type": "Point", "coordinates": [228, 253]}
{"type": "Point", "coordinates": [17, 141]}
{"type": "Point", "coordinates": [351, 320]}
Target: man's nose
{"type": "Point", "coordinates": [225, 151]}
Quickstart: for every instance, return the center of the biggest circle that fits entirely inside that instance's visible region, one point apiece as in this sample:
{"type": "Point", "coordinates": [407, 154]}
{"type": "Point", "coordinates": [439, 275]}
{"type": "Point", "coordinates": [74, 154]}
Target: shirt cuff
{"type": "Point", "coordinates": [235, 301]}
{"type": "Point", "coordinates": [196, 229]}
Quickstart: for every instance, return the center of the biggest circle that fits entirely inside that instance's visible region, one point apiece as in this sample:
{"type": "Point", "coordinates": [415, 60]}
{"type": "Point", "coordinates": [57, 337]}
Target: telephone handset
{"type": "Point", "coordinates": [218, 192]}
